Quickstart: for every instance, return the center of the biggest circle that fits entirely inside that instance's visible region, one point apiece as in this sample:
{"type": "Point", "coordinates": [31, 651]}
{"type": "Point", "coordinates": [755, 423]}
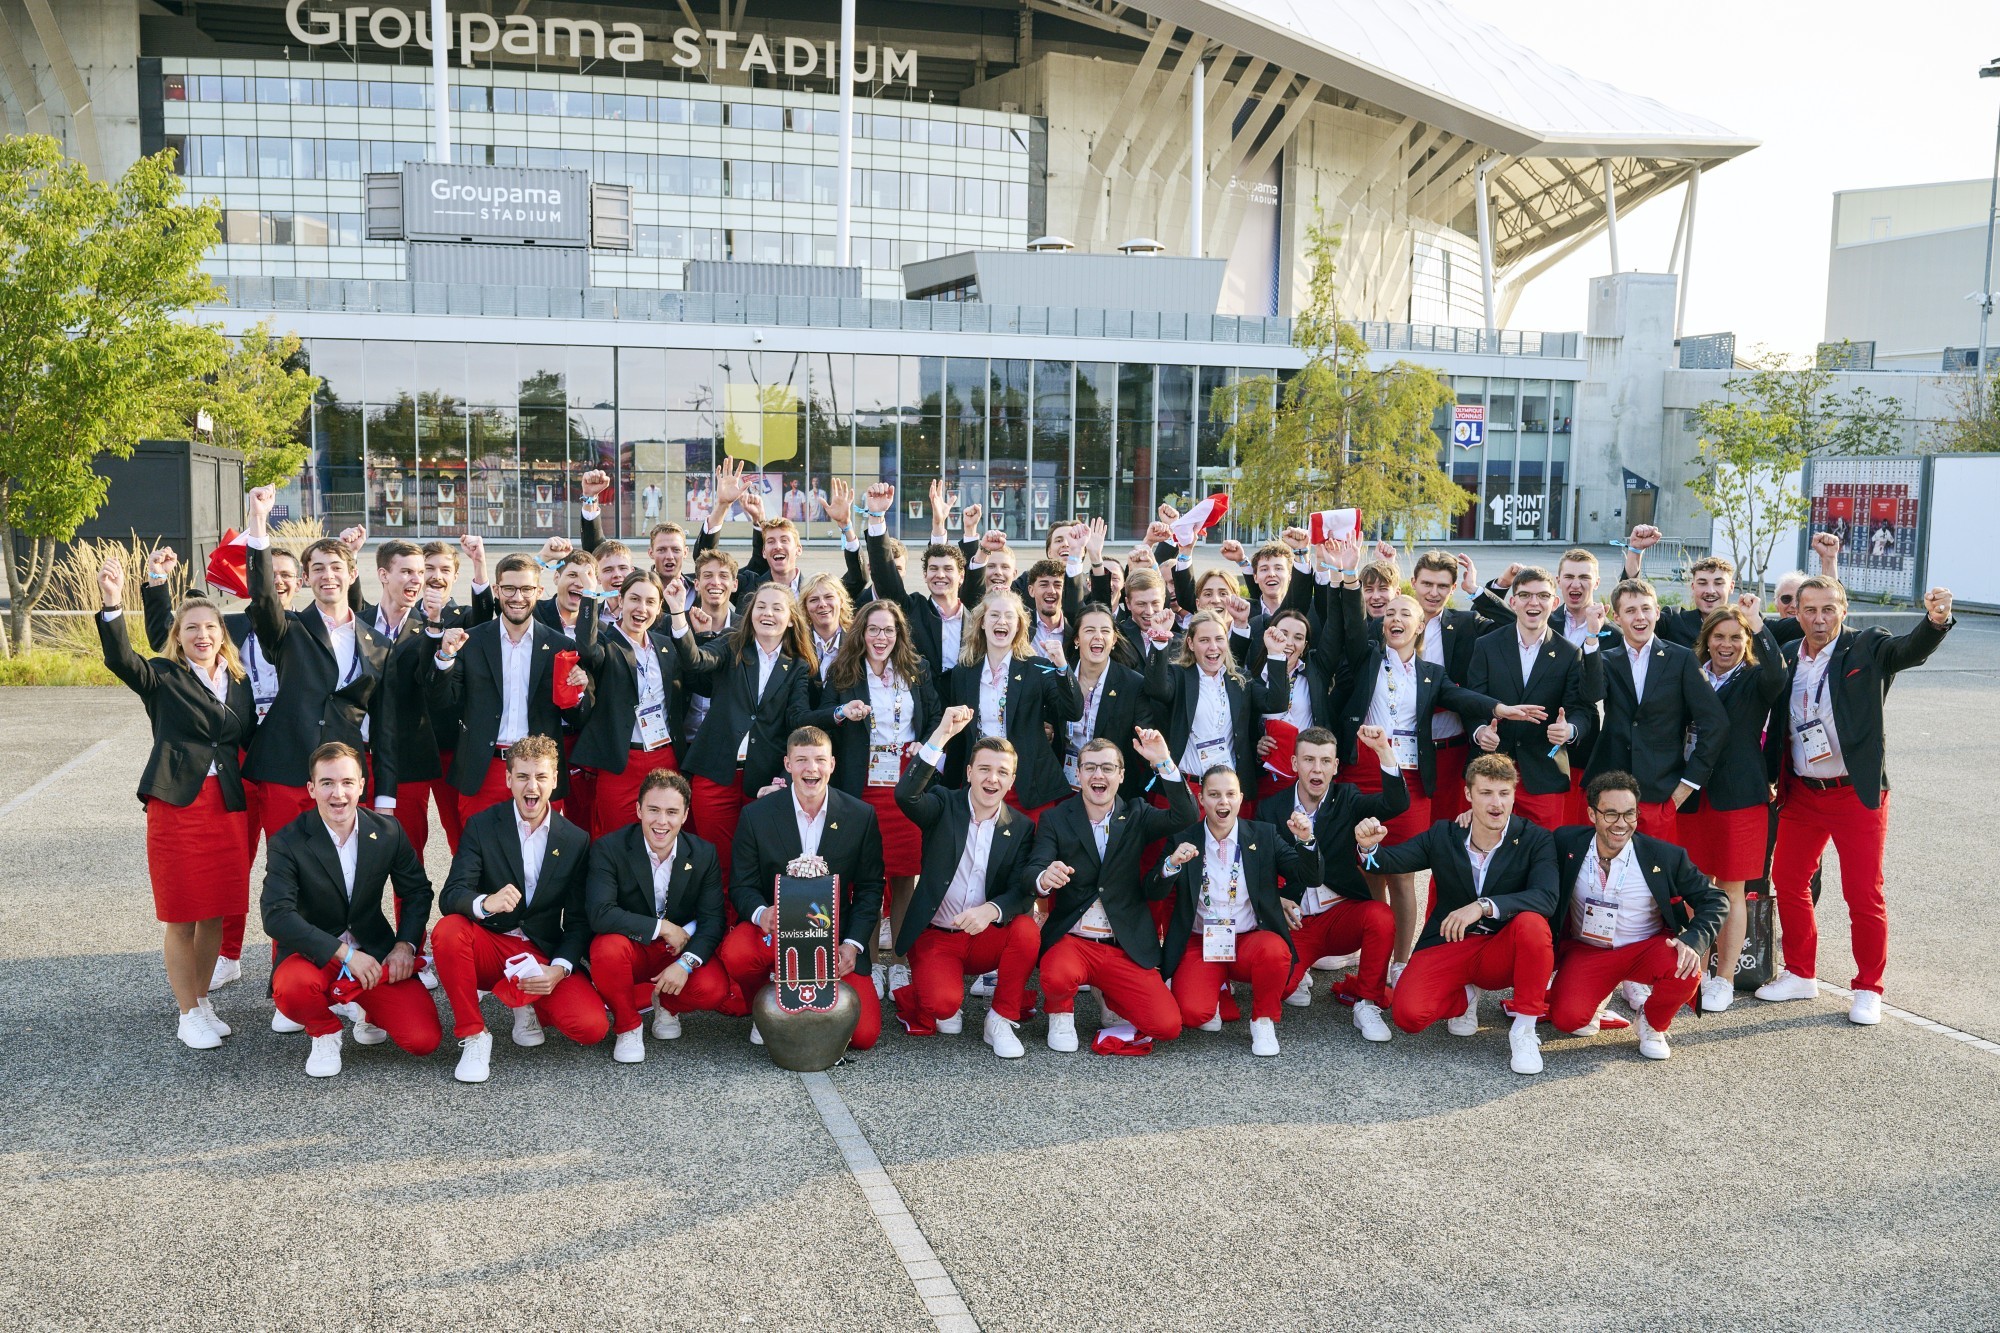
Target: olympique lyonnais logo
{"type": "Point", "coordinates": [518, 35]}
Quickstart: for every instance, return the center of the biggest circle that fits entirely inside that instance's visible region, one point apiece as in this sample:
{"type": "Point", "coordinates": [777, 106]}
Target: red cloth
{"type": "Point", "coordinates": [1036, 814]}
{"type": "Point", "coordinates": [403, 1009]}
{"type": "Point", "coordinates": [566, 695]}
{"type": "Point", "coordinates": [470, 958]}
{"type": "Point", "coordinates": [1659, 819]}
{"type": "Point", "coordinates": [746, 955]}
{"type": "Point", "coordinates": [1367, 776]}
{"type": "Point", "coordinates": [614, 797]}
{"type": "Point", "coordinates": [902, 841]}
{"type": "Point", "coordinates": [229, 564]}
{"type": "Point", "coordinates": [1279, 760]}
{"type": "Point", "coordinates": [278, 806]}
{"type": "Point", "coordinates": [1576, 810]}
{"type": "Point", "coordinates": [1806, 822]}
{"type": "Point", "coordinates": [197, 857]}
{"type": "Point", "coordinates": [1448, 792]}
{"type": "Point", "coordinates": [1433, 986]}
{"type": "Point", "coordinates": [413, 812]}
{"type": "Point", "coordinates": [1726, 844]}
{"type": "Point", "coordinates": [941, 960]}
{"type": "Point", "coordinates": [714, 814]}
{"type": "Point", "coordinates": [1136, 994]}
{"type": "Point", "coordinates": [1544, 809]}
{"type": "Point", "coordinates": [1343, 928]}
{"type": "Point", "coordinates": [1261, 959]}
{"type": "Point", "coordinates": [623, 971]}
{"type": "Point", "coordinates": [1586, 975]}
{"type": "Point", "coordinates": [1111, 1043]}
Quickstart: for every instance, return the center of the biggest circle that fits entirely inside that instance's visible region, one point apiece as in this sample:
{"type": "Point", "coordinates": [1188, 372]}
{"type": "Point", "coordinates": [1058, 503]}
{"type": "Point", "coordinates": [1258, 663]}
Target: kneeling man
{"type": "Point", "coordinates": [513, 910]}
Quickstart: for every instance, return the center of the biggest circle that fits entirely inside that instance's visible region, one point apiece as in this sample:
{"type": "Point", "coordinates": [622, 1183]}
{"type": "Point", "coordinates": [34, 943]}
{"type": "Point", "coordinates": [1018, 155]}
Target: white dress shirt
{"type": "Point", "coordinates": [811, 827]}
{"type": "Point", "coordinates": [1221, 870]}
{"type": "Point", "coordinates": [952, 632]}
{"type": "Point", "coordinates": [663, 866]}
{"type": "Point", "coordinates": [1810, 700]}
{"type": "Point", "coordinates": [1480, 861]}
{"type": "Point", "coordinates": [892, 716]}
{"type": "Point", "coordinates": [1299, 708]}
{"type": "Point", "coordinates": [340, 635]}
{"type": "Point", "coordinates": [1082, 730]}
{"type": "Point", "coordinates": [1576, 630]}
{"type": "Point", "coordinates": [349, 853]}
{"type": "Point", "coordinates": [993, 697]}
{"type": "Point", "coordinates": [1530, 650]}
{"type": "Point", "coordinates": [1094, 924]}
{"type": "Point", "coordinates": [1445, 724]}
{"type": "Point", "coordinates": [766, 664]}
{"type": "Point", "coordinates": [1394, 705]}
{"type": "Point", "coordinates": [1211, 717]}
{"type": "Point", "coordinates": [517, 669]}
{"type": "Point", "coordinates": [968, 883]}
{"type": "Point", "coordinates": [1637, 911]}
{"type": "Point", "coordinates": [1640, 656]}
{"type": "Point", "coordinates": [1047, 634]}
{"type": "Point", "coordinates": [652, 685]}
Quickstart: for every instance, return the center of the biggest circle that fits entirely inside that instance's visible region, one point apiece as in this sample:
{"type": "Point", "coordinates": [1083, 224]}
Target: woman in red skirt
{"type": "Point", "coordinates": [877, 701]}
{"type": "Point", "coordinates": [197, 838]}
{"type": "Point", "coordinates": [1725, 827]}
{"type": "Point", "coordinates": [638, 673]}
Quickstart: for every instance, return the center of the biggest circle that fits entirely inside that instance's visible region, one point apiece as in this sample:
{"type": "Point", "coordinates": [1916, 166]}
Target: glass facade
{"type": "Point", "coordinates": [1519, 478]}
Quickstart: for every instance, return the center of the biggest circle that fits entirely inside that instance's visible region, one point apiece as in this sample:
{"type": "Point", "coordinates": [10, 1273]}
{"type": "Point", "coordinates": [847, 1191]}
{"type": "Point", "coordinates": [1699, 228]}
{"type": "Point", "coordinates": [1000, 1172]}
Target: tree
{"type": "Point", "coordinates": [1338, 433]}
{"type": "Point", "coordinates": [95, 353]}
{"type": "Point", "coordinates": [1810, 415]}
{"type": "Point", "coordinates": [1973, 427]}
{"type": "Point", "coordinates": [256, 403]}
{"type": "Point", "coordinates": [1749, 479]}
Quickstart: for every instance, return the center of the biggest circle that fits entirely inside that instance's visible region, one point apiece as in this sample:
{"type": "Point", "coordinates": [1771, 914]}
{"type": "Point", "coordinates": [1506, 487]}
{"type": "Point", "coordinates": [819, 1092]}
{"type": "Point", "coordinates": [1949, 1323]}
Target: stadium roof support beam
{"type": "Point", "coordinates": [1274, 143]}
{"type": "Point", "coordinates": [1228, 162]}
{"type": "Point", "coordinates": [1161, 124]}
{"type": "Point", "coordinates": [1116, 137]}
{"type": "Point", "coordinates": [1485, 218]}
{"type": "Point", "coordinates": [1687, 249]}
{"type": "Point", "coordinates": [82, 122]}
{"type": "Point", "coordinates": [16, 74]}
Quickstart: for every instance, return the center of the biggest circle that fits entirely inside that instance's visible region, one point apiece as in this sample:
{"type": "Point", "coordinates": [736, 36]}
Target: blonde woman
{"type": "Point", "coordinates": [829, 611]}
{"type": "Point", "coordinates": [1211, 713]}
{"type": "Point", "coordinates": [197, 825]}
{"type": "Point", "coordinates": [1012, 693]}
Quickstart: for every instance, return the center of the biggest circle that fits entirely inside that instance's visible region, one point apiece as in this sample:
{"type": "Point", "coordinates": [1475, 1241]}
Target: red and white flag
{"type": "Point", "coordinates": [1335, 525]}
{"type": "Point", "coordinates": [1200, 518]}
{"type": "Point", "coordinates": [229, 564]}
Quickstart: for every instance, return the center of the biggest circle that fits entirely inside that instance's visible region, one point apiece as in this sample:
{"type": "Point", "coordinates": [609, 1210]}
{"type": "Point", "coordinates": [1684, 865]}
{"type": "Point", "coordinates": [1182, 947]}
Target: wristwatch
{"type": "Point", "coordinates": [1486, 907]}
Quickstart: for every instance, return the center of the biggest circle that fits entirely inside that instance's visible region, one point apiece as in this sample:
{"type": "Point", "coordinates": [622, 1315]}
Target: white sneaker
{"type": "Point", "coordinates": [985, 984]}
{"type": "Point", "coordinates": [1214, 1023]}
{"type": "Point", "coordinates": [1717, 994]}
{"type": "Point", "coordinates": [1652, 1042]}
{"type": "Point", "coordinates": [1526, 1046]}
{"type": "Point", "coordinates": [1001, 1037]}
{"type": "Point", "coordinates": [899, 976]}
{"type": "Point", "coordinates": [1635, 995]}
{"type": "Point", "coordinates": [1590, 1029]}
{"type": "Point", "coordinates": [1866, 1009]}
{"type": "Point", "coordinates": [1396, 972]}
{"type": "Point", "coordinates": [324, 1061]}
{"type": "Point", "coordinates": [367, 1034]}
{"type": "Point", "coordinates": [206, 1009]}
{"type": "Point", "coordinates": [1263, 1036]}
{"type": "Point", "coordinates": [1368, 1020]}
{"type": "Point", "coordinates": [1106, 1017]}
{"type": "Point", "coordinates": [350, 1011]}
{"type": "Point", "coordinates": [666, 1026]}
{"type": "Point", "coordinates": [195, 1033]}
{"type": "Point", "coordinates": [756, 1037]}
{"type": "Point", "coordinates": [1466, 1023]}
{"type": "Point", "coordinates": [1336, 962]}
{"type": "Point", "coordinates": [475, 1058]}
{"type": "Point", "coordinates": [629, 1048]}
{"type": "Point", "coordinates": [880, 976]}
{"type": "Point", "coordinates": [228, 971]}
{"type": "Point", "coordinates": [429, 977]}
{"type": "Point", "coordinates": [527, 1027]}
{"type": "Point", "coordinates": [1062, 1032]}
{"type": "Point", "coordinates": [1785, 986]}
{"type": "Point", "coordinates": [1302, 998]}
{"type": "Point", "coordinates": [954, 1025]}
{"type": "Point", "coordinates": [279, 1023]}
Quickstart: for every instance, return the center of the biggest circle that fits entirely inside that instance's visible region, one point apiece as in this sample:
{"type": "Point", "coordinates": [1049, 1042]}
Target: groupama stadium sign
{"type": "Point", "coordinates": [474, 34]}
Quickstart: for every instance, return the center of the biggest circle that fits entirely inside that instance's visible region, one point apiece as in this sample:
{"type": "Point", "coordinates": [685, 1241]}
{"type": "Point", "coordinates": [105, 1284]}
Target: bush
{"type": "Point", "coordinates": [48, 666]}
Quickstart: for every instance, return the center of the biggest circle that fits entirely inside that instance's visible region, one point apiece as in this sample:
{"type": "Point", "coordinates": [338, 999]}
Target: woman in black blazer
{"type": "Point", "coordinates": [197, 827]}
{"type": "Point", "coordinates": [1725, 827]}
{"type": "Point", "coordinates": [1175, 688]}
{"type": "Point", "coordinates": [1114, 701]}
{"type": "Point", "coordinates": [997, 661]}
{"type": "Point", "coordinates": [1311, 663]}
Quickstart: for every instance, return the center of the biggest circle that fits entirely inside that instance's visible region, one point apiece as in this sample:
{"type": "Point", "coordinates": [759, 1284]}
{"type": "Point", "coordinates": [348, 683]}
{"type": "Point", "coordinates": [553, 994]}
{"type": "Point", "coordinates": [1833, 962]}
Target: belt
{"type": "Point", "coordinates": [500, 751]}
{"type": "Point", "coordinates": [1824, 784]}
{"type": "Point", "coordinates": [1448, 743]}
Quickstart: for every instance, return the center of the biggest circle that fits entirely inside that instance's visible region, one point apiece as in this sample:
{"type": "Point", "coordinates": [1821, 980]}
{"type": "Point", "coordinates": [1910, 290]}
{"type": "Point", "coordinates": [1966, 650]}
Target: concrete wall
{"type": "Point", "coordinates": [1629, 344]}
{"type": "Point", "coordinates": [1908, 294]}
{"type": "Point", "coordinates": [98, 48]}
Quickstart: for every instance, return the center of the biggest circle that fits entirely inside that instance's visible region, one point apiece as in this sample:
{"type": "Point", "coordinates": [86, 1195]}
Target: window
{"type": "Point", "coordinates": [471, 97]}
{"type": "Point", "coordinates": [399, 96]}
{"type": "Point", "coordinates": [174, 88]}
{"type": "Point", "coordinates": [705, 113]}
{"type": "Point", "coordinates": [825, 184]}
{"type": "Point", "coordinates": [795, 183]}
{"type": "Point", "coordinates": [826, 122]}
{"type": "Point", "coordinates": [670, 110]}
{"type": "Point", "coordinates": [390, 155]}
{"type": "Point", "coordinates": [881, 189]}
{"type": "Point", "coordinates": [272, 92]}
{"type": "Point", "coordinates": [242, 226]}
{"type": "Point", "coordinates": [756, 116]}
{"type": "Point", "coordinates": [510, 101]}
{"type": "Point", "coordinates": [538, 101]}
{"type": "Point", "coordinates": [577, 106]}
{"type": "Point", "coordinates": [704, 177]}
{"type": "Point", "coordinates": [750, 180]}
{"type": "Point", "coordinates": [880, 127]}
{"type": "Point", "coordinates": [340, 92]}
{"type": "Point", "coordinates": [178, 145]}
{"type": "Point", "coordinates": [343, 160]}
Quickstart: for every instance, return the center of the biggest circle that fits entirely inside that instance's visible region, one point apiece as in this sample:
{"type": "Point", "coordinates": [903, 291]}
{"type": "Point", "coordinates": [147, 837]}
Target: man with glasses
{"type": "Point", "coordinates": [1633, 909]}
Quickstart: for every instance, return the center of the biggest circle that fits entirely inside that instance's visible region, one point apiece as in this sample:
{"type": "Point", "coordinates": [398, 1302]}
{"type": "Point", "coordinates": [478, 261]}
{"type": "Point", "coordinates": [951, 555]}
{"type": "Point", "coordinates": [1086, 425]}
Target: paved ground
{"type": "Point", "coordinates": [1784, 1171]}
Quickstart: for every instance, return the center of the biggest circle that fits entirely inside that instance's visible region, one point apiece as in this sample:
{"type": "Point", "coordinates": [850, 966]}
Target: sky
{"type": "Point", "coordinates": [1842, 94]}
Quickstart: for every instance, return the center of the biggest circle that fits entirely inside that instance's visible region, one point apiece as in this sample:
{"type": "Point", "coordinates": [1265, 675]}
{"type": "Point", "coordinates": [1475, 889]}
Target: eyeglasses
{"type": "Point", "coordinates": [1617, 816]}
{"type": "Point", "coordinates": [1108, 770]}
{"type": "Point", "coordinates": [1786, 599]}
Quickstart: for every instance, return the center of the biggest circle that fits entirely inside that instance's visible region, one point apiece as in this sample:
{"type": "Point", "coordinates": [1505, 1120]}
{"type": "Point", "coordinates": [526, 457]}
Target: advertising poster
{"type": "Point", "coordinates": [494, 516]}
{"type": "Point", "coordinates": [447, 494]}
{"type": "Point", "coordinates": [392, 515]}
{"type": "Point", "coordinates": [545, 493]}
{"type": "Point", "coordinates": [392, 493]}
{"type": "Point", "coordinates": [447, 518]}
{"type": "Point", "coordinates": [493, 492]}
{"type": "Point", "coordinates": [545, 518]}
{"type": "Point", "coordinates": [1872, 506]}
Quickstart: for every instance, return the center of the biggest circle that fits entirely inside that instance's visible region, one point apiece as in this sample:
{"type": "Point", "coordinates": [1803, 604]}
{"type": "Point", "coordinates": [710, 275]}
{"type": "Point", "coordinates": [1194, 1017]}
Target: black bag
{"type": "Point", "coordinates": [1758, 962]}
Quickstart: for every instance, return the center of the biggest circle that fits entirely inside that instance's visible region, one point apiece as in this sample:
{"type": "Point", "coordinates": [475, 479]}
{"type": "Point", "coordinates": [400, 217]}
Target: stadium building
{"type": "Point", "coordinates": [623, 244]}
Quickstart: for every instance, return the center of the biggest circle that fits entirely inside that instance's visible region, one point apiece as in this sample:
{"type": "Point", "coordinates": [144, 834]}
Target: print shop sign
{"type": "Point", "coordinates": [518, 35]}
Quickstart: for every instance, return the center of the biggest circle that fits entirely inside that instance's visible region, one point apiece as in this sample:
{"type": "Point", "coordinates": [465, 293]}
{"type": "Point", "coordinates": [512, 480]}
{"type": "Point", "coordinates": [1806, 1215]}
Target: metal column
{"type": "Point", "coordinates": [843, 217]}
{"type": "Point", "coordinates": [1611, 210]}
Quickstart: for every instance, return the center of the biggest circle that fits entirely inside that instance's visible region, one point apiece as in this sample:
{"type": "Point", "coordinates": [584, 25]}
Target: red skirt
{"type": "Point", "coordinates": [1726, 844]}
{"type": "Point", "coordinates": [902, 842]}
{"type": "Point", "coordinates": [1367, 776]}
{"type": "Point", "coordinates": [198, 856]}
{"type": "Point", "coordinates": [614, 797]}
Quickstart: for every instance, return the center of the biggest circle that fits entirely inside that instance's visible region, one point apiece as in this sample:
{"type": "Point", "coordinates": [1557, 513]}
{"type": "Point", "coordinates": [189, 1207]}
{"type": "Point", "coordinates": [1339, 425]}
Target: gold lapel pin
{"type": "Point", "coordinates": [1006, 833]}
{"type": "Point", "coordinates": [1112, 693]}
{"type": "Point", "coordinates": [555, 851]}
{"type": "Point", "coordinates": [688, 866]}
{"type": "Point", "coordinates": [1656, 870]}
{"type": "Point", "coordinates": [371, 837]}
{"type": "Point", "coordinates": [834, 827]}
{"type": "Point", "coordinates": [1253, 847]}
{"type": "Point", "coordinates": [1017, 675]}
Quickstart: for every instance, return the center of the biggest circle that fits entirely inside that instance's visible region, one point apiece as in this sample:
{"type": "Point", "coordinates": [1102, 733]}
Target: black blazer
{"type": "Point", "coordinates": [1037, 693]}
{"type": "Point", "coordinates": [736, 709]}
{"type": "Point", "coordinates": [767, 837]}
{"type": "Point", "coordinates": [1176, 690]}
{"type": "Point", "coordinates": [416, 735]}
{"type": "Point", "coordinates": [851, 739]}
{"type": "Point", "coordinates": [1122, 708]}
{"type": "Point", "coordinates": [305, 903]}
{"type": "Point", "coordinates": [1266, 857]}
{"type": "Point", "coordinates": [1692, 908]}
{"type": "Point", "coordinates": [1064, 835]}
{"type": "Point", "coordinates": [157, 606]}
{"type": "Point", "coordinates": [945, 814]}
{"type": "Point", "coordinates": [489, 859]}
{"type": "Point", "coordinates": [313, 705]}
{"type": "Point", "coordinates": [1133, 650]}
{"type": "Point", "coordinates": [619, 891]}
{"type": "Point", "coordinates": [1647, 738]}
{"type": "Point", "coordinates": [471, 690]}
{"type": "Point", "coordinates": [1520, 878]}
{"type": "Point", "coordinates": [1864, 665]}
{"type": "Point", "coordinates": [1435, 690]}
{"type": "Point", "coordinates": [1738, 780]}
{"type": "Point", "coordinates": [605, 741]}
{"type": "Point", "coordinates": [191, 730]}
{"type": "Point", "coordinates": [1682, 625]}
{"type": "Point", "coordinates": [926, 623]}
{"type": "Point", "coordinates": [1561, 679]}
{"type": "Point", "coordinates": [1344, 806]}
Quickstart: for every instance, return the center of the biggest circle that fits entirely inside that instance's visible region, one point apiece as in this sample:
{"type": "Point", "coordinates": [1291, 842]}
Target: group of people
{"type": "Point", "coordinates": [1127, 776]}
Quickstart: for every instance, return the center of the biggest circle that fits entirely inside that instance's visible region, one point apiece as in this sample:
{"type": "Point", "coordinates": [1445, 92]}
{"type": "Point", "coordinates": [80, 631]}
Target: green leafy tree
{"type": "Point", "coordinates": [1339, 433]}
{"type": "Point", "coordinates": [1812, 417]}
{"type": "Point", "coordinates": [95, 353]}
{"type": "Point", "coordinates": [256, 404]}
{"type": "Point", "coordinates": [1973, 425]}
{"type": "Point", "coordinates": [1749, 479]}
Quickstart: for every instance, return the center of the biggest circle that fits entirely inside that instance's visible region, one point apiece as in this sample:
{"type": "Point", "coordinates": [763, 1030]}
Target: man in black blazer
{"type": "Point", "coordinates": [972, 909]}
{"type": "Point", "coordinates": [1653, 692]}
{"type": "Point", "coordinates": [1535, 665]}
{"type": "Point", "coordinates": [1631, 909]}
{"type": "Point", "coordinates": [655, 902]}
{"type": "Point", "coordinates": [937, 614]}
{"type": "Point", "coordinates": [1228, 923]}
{"type": "Point", "coordinates": [322, 903]}
{"type": "Point", "coordinates": [807, 816]}
{"type": "Point", "coordinates": [1829, 748]}
{"type": "Point", "coordinates": [515, 892]}
{"type": "Point", "coordinates": [1100, 929]}
{"type": "Point", "coordinates": [1494, 889]}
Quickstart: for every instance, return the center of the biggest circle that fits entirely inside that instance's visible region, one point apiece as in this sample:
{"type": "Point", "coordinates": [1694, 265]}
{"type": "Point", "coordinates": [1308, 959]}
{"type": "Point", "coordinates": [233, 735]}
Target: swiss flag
{"type": "Point", "coordinates": [229, 564]}
{"type": "Point", "coordinates": [1202, 516]}
{"type": "Point", "coordinates": [1334, 525]}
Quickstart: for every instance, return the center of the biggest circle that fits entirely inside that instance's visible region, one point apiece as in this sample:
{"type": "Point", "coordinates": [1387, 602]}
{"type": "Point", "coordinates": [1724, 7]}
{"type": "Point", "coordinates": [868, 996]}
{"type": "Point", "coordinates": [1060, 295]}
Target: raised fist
{"type": "Point", "coordinates": [453, 640]}
{"type": "Point", "coordinates": [162, 562]}
{"type": "Point", "coordinates": [594, 483]}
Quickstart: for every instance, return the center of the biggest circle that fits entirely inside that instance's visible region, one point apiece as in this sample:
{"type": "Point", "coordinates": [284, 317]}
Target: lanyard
{"type": "Point", "coordinates": [1815, 697]}
{"type": "Point", "coordinates": [1083, 730]}
{"type": "Point", "coordinates": [1235, 876]}
{"type": "Point", "coordinates": [999, 684]}
{"type": "Point", "coordinates": [893, 686]}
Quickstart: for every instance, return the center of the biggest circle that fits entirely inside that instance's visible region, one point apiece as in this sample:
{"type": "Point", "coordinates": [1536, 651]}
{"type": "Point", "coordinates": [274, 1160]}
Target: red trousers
{"type": "Point", "coordinates": [403, 1009]}
{"type": "Point", "coordinates": [614, 797]}
{"type": "Point", "coordinates": [413, 802]}
{"type": "Point", "coordinates": [1521, 954]}
{"type": "Point", "coordinates": [1134, 993]}
{"type": "Point", "coordinates": [941, 960]}
{"type": "Point", "coordinates": [714, 814]}
{"type": "Point", "coordinates": [1448, 792]}
{"type": "Point", "coordinates": [747, 956]}
{"type": "Point", "coordinates": [492, 790]}
{"type": "Point", "coordinates": [1658, 819]}
{"type": "Point", "coordinates": [1806, 821]}
{"type": "Point", "coordinates": [469, 958]}
{"type": "Point", "coordinates": [623, 970]}
{"type": "Point", "coordinates": [270, 809]}
{"type": "Point", "coordinates": [1586, 975]}
{"type": "Point", "coordinates": [1346, 926]}
{"type": "Point", "coordinates": [1546, 811]}
{"type": "Point", "coordinates": [1262, 959]}
{"type": "Point", "coordinates": [1576, 810]}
